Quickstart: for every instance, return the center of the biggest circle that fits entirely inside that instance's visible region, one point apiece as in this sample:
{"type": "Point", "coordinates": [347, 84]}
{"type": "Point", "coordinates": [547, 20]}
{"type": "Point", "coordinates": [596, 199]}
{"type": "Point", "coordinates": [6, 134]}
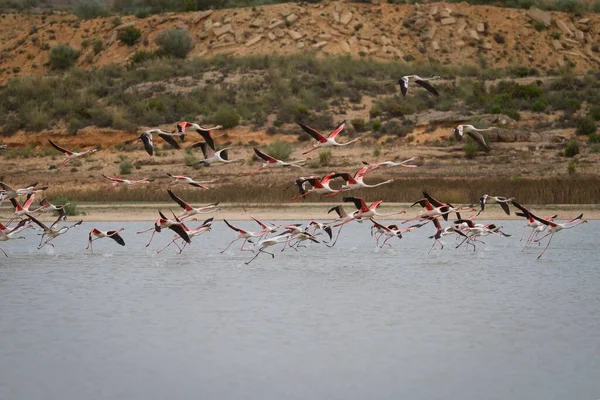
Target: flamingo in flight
{"type": "Point", "coordinates": [3, 146]}
{"type": "Point", "coordinates": [474, 134]}
{"type": "Point", "coordinates": [272, 162]}
{"type": "Point", "coordinates": [405, 164]}
{"type": "Point", "coordinates": [265, 243]}
{"type": "Point", "coordinates": [477, 230]}
{"type": "Point", "coordinates": [502, 201]}
{"type": "Point", "coordinates": [241, 234]}
{"type": "Point", "coordinates": [51, 232]}
{"type": "Point", "coordinates": [9, 193]}
{"type": "Point", "coordinates": [365, 211]}
{"type": "Point", "coordinates": [71, 155]}
{"type": "Point", "coordinates": [24, 209]}
{"type": "Point", "coordinates": [434, 208]}
{"type": "Point", "coordinates": [319, 185]}
{"type": "Point", "coordinates": [328, 141]}
{"type": "Point", "coordinates": [355, 181]}
{"type": "Point", "coordinates": [443, 232]}
{"type": "Point", "coordinates": [204, 131]}
{"type": "Point", "coordinates": [146, 138]}
{"type": "Point", "coordinates": [205, 227]}
{"type": "Point", "coordinates": [186, 179]}
{"type": "Point", "coordinates": [343, 217]}
{"type": "Point", "coordinates": [98, 234]}
{"type": "Point", "coordinates": [46, 206]}
{"type": "Point", "coordinates": [190, 211]}
{"type": "Point", "coordinates": [211, 156]}
{"type": "Point", "coordinates": [423, 82]}
{"type": "Point", "coordinates": [391, 231]}
{"type": "Point", "coordinates": [6, 235]}
{"type": "Point", "coordinates": [118, 181]}
{"type": "Point", "coordinates": [164, 223]}
{"type": "Point", "coordinates": [537, 227]}
{"type": "Point", "coordinates": [552, 227]}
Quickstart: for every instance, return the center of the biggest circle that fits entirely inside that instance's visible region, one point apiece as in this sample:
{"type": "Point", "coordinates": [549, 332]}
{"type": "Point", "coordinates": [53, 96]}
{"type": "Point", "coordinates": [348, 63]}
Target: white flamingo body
{"type": "Point", "coordinates": [323, 141]}
{"type": "Point", "coordinates": [71, 155]}
{"type": "Point", "coordinates": [423, 82]}
{"type": "Point", "coordinates": [272, 162]}
{"type": "Point", "coordinates": [187, 180]}
{"type": "Point", "coordinates": [319, 185]}
{"type": "Point", "coordinates": [96, 234]}
{"type": "Point", "coordinates": [188, 210]}
{"type": "Point", "coordinates": [356, 181]}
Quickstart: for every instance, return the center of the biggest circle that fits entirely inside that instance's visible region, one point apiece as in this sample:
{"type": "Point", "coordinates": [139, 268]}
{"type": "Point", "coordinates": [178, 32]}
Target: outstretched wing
{"type": "Point", "coordinates": [177, 200]}
{"type": "Point", "coordinates": [147, 139]}
{"type": "Point", "coordinates": [61, 149]}
{"type": "Point", "coordinates": [313, 132]}
{"type": "Point", "coordinates": [41, 225]}
{"type": "Point", "coordinates": [337, 129]}
{"type": "Point", "coordinates": [479, 139]}
{"type": "Point", "coordinates": [427, 86]}
{"type": "Point", "coordinates": [114, 235]}
{"type": "Point", "coordinates": [178, 229]}
{"type": "Point", "coordinates": [339, 209]}
{"type": "Point", "coordinates": [169, 139]}
{"type": "Point", "coordinates": [403, 82]}
{"type": "Point", "coordinates": [359, 202]}
{"type": "Point", "coordinates": [436, 203]}
{"type": "Point", "coordinates": [264, 156]}
{"type": "Point", "coordinates": [204, 147]}
{"type": "Point", "coordinates": [207, 137]}
{"type": "Point", "coordinates": [231, 226]}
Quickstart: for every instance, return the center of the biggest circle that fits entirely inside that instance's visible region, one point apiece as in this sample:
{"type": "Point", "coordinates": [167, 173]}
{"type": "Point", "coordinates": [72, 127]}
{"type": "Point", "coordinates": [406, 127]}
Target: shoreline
{"type": "Point", "coordinates": [136, 211]}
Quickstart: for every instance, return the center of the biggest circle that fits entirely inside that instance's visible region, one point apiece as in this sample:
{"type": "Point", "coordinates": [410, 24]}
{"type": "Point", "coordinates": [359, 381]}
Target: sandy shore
{"type": "Point", "coordinates": [304, 211]}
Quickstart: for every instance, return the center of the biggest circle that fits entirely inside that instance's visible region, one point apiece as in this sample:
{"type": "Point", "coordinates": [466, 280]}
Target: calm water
{"type": "Point", "coordinates": [352, 322]}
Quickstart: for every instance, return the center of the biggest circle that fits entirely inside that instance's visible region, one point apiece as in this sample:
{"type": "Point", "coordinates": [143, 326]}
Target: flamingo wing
{"type": "Point", "coordinates": [114, 235]}
{"type": "Point", "coordinates": [264, 156]}
{"type": "Point", "coordinates": [479, 139]}
{"type": "Point", "coordinates": [313, 132]}
{"type": "Point", "coordinates": [224, 155]}
{"type": "Point", "coordinates": [178, 229]}
{"type": "Point", "coordinates": [339, 209]}
{"type": "Point", "coordinates": [427, 86]}
{"type": "Point", "coordinates": [359, 202]}
{"type": "Point", "coordinates": [147, 140]}
{"type": "Point", "coordinates": [232, 227]}
{"type": "Point", "coordinates": [344, 175]}
{"type": "Point", "coordinates": [178, 200]}
{"type": "Point", "coordinates": [458, 135]}
{"type": "Point", "coordinates": [423, 203]}
{"type": "Point", "coordinates": [206, 150]}
{"type": "Point", "coordinates": [40, 224]}
{"type": "Point", "coordinates": [61, 149]}
{"type": "Point", "coordinates": [403, 82]}
{"type": "Point", "coordinates": [207, 137]}
{"type": "Point", "coordinates": [338, 129]}
{"type": "Point", "coordinates": [436, 203]}
{"type": "Point", "coordinates": [169, 139]}
{"type": "Point", "coordinates": [469, 223]}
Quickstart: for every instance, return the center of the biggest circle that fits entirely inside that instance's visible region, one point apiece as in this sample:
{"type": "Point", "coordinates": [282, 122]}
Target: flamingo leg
{"type": "Point", "coordinates": [3, 252]}
{"type": "Point", "coordinates": [336, 238]}
{"type": "Point", "coordinates": [151, 237]}
{"type": "Point", "coordinates": [164, 248]}
{"type": "Point", "coordinates": [243, 249]}
{"type": "Point", "coordinates": [235, 240]}
{"type": "Point", "coordinates": [311, 150]}
{"type": "Point", "coordinates": [550, 240]}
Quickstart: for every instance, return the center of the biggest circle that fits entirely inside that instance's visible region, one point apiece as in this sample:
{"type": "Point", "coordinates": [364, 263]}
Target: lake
{"type": "Point", "coordinates": [348, 322]}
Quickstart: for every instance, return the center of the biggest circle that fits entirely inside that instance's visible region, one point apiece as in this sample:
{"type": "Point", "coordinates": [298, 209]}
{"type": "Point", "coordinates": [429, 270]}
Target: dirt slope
{"type": "Point", "coordinates": [449, 33]}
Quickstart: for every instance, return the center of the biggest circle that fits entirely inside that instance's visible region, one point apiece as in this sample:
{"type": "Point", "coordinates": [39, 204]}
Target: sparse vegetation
{"type": "Point", "coordinates": [585, 126]}
{"type": "Point", "coordinates": [324, 157]}
{"type": "Point", "coordinates": [70, 206]}
{"type": "Point", "coordinates": [125, 166]}
{"type": "Point", "coordinates": [90, 9]}
{"type": "Point", "coordinates": [63, 57]}
{"type": "Point", "coordinates": [470, 148]}
{"type": "Point", "coordinates": [129, 35]}
{"type": "Point", "coordinates": [175, 42]}
{"type": "Point", "coordinates": [572, 148]}
{"type": "Point", "coordinates": [280, 150]}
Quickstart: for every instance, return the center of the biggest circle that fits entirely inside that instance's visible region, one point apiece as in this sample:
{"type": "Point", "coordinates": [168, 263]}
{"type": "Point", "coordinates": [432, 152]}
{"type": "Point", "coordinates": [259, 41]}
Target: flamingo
{"type": "Point", "coordinates": [265, 228]}
{"type": "Point", "coordinates": [300, 237]}
{"type": "Point", "coordinates": [441, 210]}
{"type": "Point", "coordinates": [272, 162]}
{"type": "Point", "coordinates": [319, 185]}
{"type": "Point", "coordinates": [318, 226]}
{"type": "Point", "coordinates": [423, 82]}
{"type": "Point", "coordinates": [146, 138]}
{"type": "Point", "coordinates": [118, 181]}
{"type": "Point", "coordinates": [474, 134]}
{"type": "Point", "coordinates": [241, 234]}
{"type": "Point", "coordinates": [204, 131]}
{"type": "Point", "coordinates": [326, 141]}
{"type": "Point", "coordinates": [263, 244]}
{"type": "Point", "coordinates": [343, 217]}
{"type": "Point", "coordinates": [3, 146]}
{"type": "Point", "coordinates": [186, 179]}
{"type": "Point", "coordinates": [477, 230]}
{"type": "Point", "coordinates": [51, 232]}
{"type": "Point", "coordinates": [552, 227]}
{"type": "Point", "coordinates": [443, 232]}
{"type": "Point", "coordinates": [6, 235]}
{"type": "Point", "coordinates": [24, 209]}
{"type": "Point", "coordinates": [364, 211]}
{"type": "Point", "coordinates": [391, 231]}
{"type": "Point", "coordinates": [71, 155]}
{"type": "Point", "coordinates": [162, 223]}
{"type": "Point", "coordinates": [9, 193]}
{"type": "Point", "coordinates": [405, 164]}
{"type": "Point", "coordinates": [502, 201]}
{"type": "Point", "coordinates": [211, 156]}
{"type": "Point", "coordinates": [98, 234]}
{"type": "Point", "coordinates": [356, 181]}
{"type": "Point", "coordinates": [46, 206]}
{"type": "Point", "coordinates": [537, 227]}
{"type": "Point", "coordinates": [190, 211]}
{"type": "Point", "coordinates": [204, 227]}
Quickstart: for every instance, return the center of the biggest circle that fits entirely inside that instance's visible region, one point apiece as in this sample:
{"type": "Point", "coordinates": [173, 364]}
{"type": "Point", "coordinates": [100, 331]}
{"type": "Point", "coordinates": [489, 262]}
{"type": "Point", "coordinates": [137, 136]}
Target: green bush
{"type": "Point", "coordinates": [470, 148]}
{"type": "Point", "coordinates": [280, 150]}
{"type": "Point", "coordinates": [125, 166]}
{"type": "Point", "coordinates": [570, 6]}
{"type": "Point", "coordinates": [227, 117]}
{"type": "Point", "coordinates": [63, 57]}
{"type": "Point", "coordinates": [571, 168]}
{"type": "Point", "coordinates": [90, 9]}
{"type": "Point", "coordinates": [175, 42]}
{"type": "Point", "coordinates": [325, 157]}
{"type": "Point", "coordinates": [129, 35]}
{"type": "Point", "coordinates": [539, 26]}
{"type": "Point", "coordinates": [595, 113]}
{"type": "Point", "coordinates": [572, 148]}
{"type": "Point", "coordinates": [70, 206]}
{"type": "Point", "coordinates": [97, 46]}
{"type": "Point", "coordinates": [594, 138]}
{"type": "Point", "coordinates": [585, 126]}
{"type": "Point", "coordinates": [359, 124]}
{"type": "Point", "coordinates": [396, 128]}
{"type": "Point", "coordinates": [376, 125]}
{"type": "Point", "coordinates": [539, 105]}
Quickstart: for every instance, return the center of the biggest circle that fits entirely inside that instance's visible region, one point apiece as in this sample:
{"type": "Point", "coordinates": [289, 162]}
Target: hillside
{"type": "Point", "coordinates": [454, 34]}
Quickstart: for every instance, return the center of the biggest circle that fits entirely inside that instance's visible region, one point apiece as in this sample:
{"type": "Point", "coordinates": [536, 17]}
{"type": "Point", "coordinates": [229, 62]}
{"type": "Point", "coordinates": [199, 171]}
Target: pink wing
{"type": "Point", "coordinates": [337, 130]}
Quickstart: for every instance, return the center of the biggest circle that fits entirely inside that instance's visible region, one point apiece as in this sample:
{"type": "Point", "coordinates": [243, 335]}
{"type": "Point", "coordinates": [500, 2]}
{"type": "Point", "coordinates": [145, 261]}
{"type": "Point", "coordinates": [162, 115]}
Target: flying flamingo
{"type": "Point", "coordinates": [356, 181]}
{"type": "Point", "coordinates": [204, 131]}
{"type": "Point", "coordinates": [205, 227]}
{"type": "Point", "coordinates": [319, 185]}
{"type": "Point", "coordinates": [164, 223]}
{"type": "Point", "coordinates": [186, 179]}
{"type": "Point", "coordinates": [474, 134]}
{"type": "Point", "coordinates": [46, 206]}
{"type": "Point", "coordinates": [98, 234]}
{"type": "Point", "coordinates": [6, 235]}
{"type": "Point", "coordinates": [430, 211]}
{"type": "Point", "coordinates": [343, 217]}
{"type": "Point", "coordinates": [70, 155]}
{"type": "Point", "coordinates": [300, 237]}
{"type": "Point", "coordinates": [390, 231]}
{"type": "Point", "coordinates": [326, 141]}
{"type": "Point", "coordinates": [24, 209]}
{"type": "Point", "coordinates": [263, 244]}
{"type": "Point", "coordinates": [3, 146]}
{"type": "Point", "coordinates": [146, 138]}
{"type": "Point", "coordinates": [502, 201]}
{"type": "Point", "coordinates": [318, 226]}
{"type": "Point", "coordinates": [9, 193]}
{"type": "Point", "coordinates": [189, 211]}
{"type": "Point", "coordinates": [537, 227]}
{"type": "Point", "coordinates": [266, 229]}
{"type": "Point", "coordinates": [51, 232]}
{"type": "Point", "coordinates": [118, 181]}
{"type": "Point", "coordinates": [405, 164]}
{"type": "Point", "coordinates": [443, 232]}
{"type": "Point", "coordinates": [241, 234]}
{"type": "Point", "coordinates": [552, 227]}
{"type": "Point", "coordinates": [211, 156]}
{"type": "Point", "coordinates": [272, 162]}
{"type": "Point", "coordinates": [364, 211]}
{"type": "Point", "coordinates": [423, 82]}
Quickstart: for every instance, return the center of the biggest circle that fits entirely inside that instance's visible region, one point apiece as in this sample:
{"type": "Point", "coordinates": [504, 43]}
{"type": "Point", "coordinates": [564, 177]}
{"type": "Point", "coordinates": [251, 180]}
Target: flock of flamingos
{"type": "Point", "coordinates": [293, 236]}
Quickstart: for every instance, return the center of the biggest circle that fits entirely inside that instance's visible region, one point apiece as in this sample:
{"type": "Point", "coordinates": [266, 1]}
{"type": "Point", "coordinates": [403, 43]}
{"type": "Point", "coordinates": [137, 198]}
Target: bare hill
{"type": "Point", "coordinates": [448, 33]}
